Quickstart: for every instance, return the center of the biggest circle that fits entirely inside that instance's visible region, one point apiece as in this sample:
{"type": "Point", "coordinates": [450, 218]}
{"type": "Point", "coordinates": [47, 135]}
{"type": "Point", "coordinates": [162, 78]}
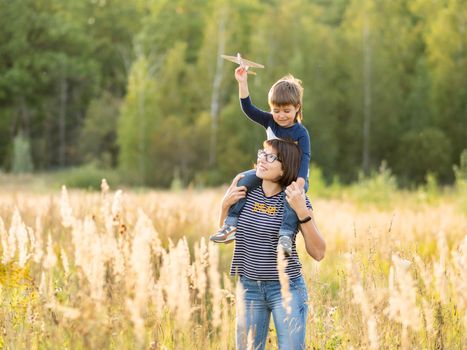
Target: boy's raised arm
{"type": "Point", "coordinates": [255, 114]}
{"type": "Point", "coordinates": [242, 77]}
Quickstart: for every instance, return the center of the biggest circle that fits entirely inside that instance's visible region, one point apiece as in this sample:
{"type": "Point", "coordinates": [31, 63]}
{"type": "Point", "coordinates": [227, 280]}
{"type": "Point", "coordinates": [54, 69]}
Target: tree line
{"type": "Point", "coordinates": [138, 86]}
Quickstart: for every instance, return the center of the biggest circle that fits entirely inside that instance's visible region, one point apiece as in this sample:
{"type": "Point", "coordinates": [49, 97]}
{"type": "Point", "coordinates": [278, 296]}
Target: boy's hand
{"type": "Point", "coordinates": [241, 75]}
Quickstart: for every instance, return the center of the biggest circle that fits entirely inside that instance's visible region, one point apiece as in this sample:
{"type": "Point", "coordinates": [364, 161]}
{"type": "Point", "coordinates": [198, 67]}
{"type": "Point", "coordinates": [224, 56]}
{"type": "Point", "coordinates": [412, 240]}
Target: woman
{"type": "Point", "coordinates": [255, 253]}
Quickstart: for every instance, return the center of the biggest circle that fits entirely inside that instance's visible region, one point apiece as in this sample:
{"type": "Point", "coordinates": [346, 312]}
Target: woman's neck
{"type": "Point", "coordinates": [271, 188]}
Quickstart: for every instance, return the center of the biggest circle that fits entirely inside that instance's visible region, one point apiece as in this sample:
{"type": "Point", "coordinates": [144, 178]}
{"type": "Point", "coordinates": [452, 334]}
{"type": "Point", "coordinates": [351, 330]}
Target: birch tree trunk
{"type": "Point", "coordinates": [366, 93]}
{"type": "Point", "coordinates": [215, 97]}
{"type": "Point", "coordinates": [63, 98]}
{"type": "Point", "coordinates": [142, 132]}
{"type": "Point", "coordinates": [25, 117]}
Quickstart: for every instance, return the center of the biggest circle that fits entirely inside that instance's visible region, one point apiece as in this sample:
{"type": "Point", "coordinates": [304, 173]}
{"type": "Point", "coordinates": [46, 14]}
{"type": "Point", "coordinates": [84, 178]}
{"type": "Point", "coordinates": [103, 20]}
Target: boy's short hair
{"type": "Point", "coordinates": [289, 154]}
{"type": "Point", "coordinates": [287, 90]}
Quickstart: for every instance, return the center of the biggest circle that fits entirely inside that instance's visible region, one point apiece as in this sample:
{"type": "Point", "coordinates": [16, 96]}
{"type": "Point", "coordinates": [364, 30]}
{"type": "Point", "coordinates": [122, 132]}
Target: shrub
{"type": "Point", "coordinates": [461, 170]}
{"type": "Point", "coordinates": [88, 176]}
{"type": "Point", "coordinates": [420, 153]}
{"type": "Point", "coordinates": [376, 189]}
{"type": "Point", "coordinates": [22, 161]}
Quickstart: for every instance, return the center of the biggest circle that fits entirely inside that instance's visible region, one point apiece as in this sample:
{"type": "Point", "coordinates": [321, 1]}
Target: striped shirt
{"type": "Point", "coordinates": [255, 253]}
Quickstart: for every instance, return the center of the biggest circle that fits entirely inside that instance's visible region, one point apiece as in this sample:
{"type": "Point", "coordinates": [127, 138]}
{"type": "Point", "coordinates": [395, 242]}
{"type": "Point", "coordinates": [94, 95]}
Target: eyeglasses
{"type": "Point", "coordinates": [270, 158]}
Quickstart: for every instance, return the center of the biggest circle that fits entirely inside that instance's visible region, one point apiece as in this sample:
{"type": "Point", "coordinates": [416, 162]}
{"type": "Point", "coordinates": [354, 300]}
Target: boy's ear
{"type": "Point", "coordinates": [299, 109]}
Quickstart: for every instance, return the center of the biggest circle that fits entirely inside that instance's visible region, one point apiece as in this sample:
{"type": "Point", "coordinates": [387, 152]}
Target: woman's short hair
{"type": "Point", "coordinates": [289, 154]}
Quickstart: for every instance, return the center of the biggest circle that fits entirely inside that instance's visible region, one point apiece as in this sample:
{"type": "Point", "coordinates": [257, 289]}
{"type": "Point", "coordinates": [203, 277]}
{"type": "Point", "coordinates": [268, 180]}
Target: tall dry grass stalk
{"type": "Point", "coordinates": [7, 255]}
{"type": "Point", "coordinates": [440, 267]}
{"type": "Point", "coordinates": [50, 259]}
{"type": "Point", "coordinates": [131, 270]}
{"type": "Point", "coordinates": [174, 282]}
{"type": "Point", "coordinates": [141, 275]}
{"type": "Point", "coordinates": [9, 241]}
{"type": "Point", "coordinates": [459, 274]}
{"type": "Point", "coordinates": [360, 298]}
{"type": "Point", "coordinates": [403, 306]}
{"type": "Point", "coordinates": [198, 277]}
{"type": "Point", "coordinates": [217, 300]}
{"type": "Point", "coordinates": [36, 240]}
{"type": "Point", "coordinates": [240, 311]}
{"type": "Point", "coordinates": [284, 281]}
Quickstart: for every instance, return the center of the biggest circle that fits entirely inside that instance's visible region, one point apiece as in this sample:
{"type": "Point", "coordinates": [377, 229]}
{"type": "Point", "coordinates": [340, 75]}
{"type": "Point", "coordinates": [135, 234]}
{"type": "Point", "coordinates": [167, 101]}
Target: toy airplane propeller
{"type": "Point", "coordinates": [243, 62]}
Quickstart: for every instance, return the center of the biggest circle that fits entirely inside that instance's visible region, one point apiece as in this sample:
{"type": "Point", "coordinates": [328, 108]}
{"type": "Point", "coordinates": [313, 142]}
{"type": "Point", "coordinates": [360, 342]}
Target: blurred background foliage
{"type": "Point", "coordinates": [136, 90]}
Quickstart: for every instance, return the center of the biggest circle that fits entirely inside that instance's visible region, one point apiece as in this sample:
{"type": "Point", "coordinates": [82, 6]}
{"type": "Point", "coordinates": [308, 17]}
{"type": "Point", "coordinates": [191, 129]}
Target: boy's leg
{"type": "Point", "coordinates": [250, 181]}
{"type": "Point", "coordinates": [226, 233]}
{"type": "Point", "coordinates": [288, 226]}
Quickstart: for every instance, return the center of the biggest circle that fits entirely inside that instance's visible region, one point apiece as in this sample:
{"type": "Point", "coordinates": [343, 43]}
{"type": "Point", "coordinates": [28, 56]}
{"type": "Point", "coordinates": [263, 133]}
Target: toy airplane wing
{"type": "Point", "coordinates": [243, 62]}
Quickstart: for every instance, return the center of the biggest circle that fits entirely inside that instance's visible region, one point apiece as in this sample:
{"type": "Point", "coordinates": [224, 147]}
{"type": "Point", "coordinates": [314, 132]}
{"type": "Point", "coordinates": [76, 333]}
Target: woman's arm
{"type": "Point", "coordinates": [232, 196]}
{"type": "Point", "coordinates": [314, 242]}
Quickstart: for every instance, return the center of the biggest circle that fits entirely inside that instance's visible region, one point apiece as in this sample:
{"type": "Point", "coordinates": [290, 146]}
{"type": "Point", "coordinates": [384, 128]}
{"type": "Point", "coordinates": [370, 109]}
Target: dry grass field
{"type": "Point", "coordinates": [134, 270]}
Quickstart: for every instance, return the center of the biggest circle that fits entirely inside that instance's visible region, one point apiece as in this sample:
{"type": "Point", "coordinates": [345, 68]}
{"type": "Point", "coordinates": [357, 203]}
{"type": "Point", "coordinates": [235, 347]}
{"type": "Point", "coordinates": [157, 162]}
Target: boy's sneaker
{"type": "Point", "coordinates": [285, 243]}
{"type": "Point", "coordinates": [226, 234]}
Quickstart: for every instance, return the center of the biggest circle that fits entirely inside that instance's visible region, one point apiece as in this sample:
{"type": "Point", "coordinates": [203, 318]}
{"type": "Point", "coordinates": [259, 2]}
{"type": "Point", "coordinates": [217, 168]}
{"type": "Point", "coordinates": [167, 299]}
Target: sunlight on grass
{"type": "Point", "coordinates": [129, 270]}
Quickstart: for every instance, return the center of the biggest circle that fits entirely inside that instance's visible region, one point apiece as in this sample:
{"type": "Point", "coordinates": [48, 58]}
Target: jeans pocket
{"type": "Point", "coordinates": [299, 285]}
{"type": "Point", "coordinates": [248, 284]}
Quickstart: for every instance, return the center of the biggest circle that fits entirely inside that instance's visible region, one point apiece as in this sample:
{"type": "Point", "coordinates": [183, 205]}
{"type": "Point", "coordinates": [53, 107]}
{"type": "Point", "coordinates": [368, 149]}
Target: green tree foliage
{"type": "Point", "coordinates": [235, 142]}
{"type": "Point", "coordinates": [55, 56]}
{"type": "Point", "coordinates": [384, 81]}
{"type": "Point", "coordinates": [98, 135]}
{"type": "Point", "coordinates": [139, 119]}
{"type": "Point", "coordinates": [420, 153]}
{"type": "Point", "coordinates": [111, 26]}
{"type": "Point", "coordinates": [447, 58]}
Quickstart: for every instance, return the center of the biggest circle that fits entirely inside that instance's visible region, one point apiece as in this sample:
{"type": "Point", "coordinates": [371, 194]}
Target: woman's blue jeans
{"type": "Point", "coordinates": [251, 181]}
{"type": "Point", "coordinates": [261, 298]}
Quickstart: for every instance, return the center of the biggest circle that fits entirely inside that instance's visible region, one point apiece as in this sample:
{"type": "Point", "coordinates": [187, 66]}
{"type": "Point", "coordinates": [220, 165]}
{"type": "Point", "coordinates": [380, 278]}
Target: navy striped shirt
{"type": "Point", "coordinates": [255, 253]}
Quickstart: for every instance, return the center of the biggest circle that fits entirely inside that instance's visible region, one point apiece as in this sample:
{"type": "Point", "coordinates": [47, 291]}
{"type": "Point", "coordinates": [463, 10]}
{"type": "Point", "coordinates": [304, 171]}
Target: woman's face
{"type": "Point", "coordinates": [268, 167]}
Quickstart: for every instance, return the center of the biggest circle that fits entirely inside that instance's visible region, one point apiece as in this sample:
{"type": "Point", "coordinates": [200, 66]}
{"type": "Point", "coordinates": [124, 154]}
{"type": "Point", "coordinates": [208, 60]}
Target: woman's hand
{"type": "Point", "coordinates": [314, 242]}
{"type": "Point", "coordinates": [234, 193]}
{"type": "Point", "coordinates": [295, 196]}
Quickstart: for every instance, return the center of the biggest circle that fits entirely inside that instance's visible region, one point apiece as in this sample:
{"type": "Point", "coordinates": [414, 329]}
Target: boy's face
{"type": "Point", "coordinates": [284, 115]}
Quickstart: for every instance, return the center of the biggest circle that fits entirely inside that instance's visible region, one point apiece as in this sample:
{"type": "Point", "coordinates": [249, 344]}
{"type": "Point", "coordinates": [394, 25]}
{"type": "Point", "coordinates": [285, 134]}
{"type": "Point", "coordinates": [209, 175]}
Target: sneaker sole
{"type": "Point", "coordinates": [228, 239]}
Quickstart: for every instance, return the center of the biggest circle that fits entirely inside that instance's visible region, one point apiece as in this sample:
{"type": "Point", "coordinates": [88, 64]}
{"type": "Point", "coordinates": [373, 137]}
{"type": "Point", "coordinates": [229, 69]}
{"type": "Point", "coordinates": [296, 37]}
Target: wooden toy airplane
{"type": "Point", "coordinates": [243, 62]}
